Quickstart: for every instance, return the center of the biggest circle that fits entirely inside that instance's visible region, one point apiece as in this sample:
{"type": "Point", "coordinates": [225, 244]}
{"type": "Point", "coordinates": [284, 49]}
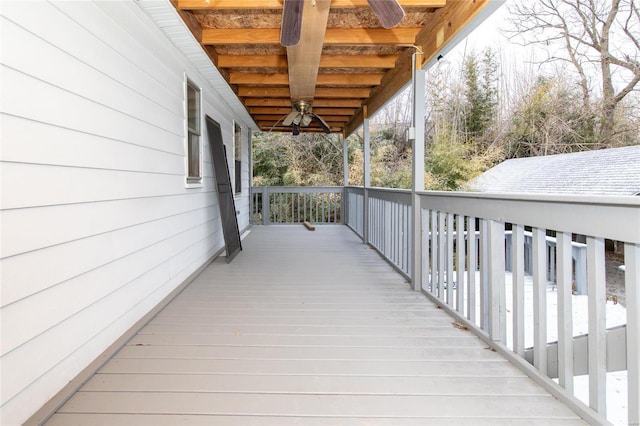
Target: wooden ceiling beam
{"type": "Point", "coordinates": [275, 117]}
{"type": "Point", "coordinates": [333, 36]}
{"type": "Point", "coordinates": [326, 61]}
{"type": "Point", "coordinates": [319, 111]}
{"type": "Point", "coordinates": [286, 102]}
{"type": "Point", "coordinates": [358, 79]}
{"type": "Point", "coordinates": [277, 4]}
{"type": "Point", "coordinates": [283, 92]}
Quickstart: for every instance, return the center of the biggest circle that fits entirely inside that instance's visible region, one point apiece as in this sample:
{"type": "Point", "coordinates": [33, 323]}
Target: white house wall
{"type": "Point", "coordinates": [97, 226]}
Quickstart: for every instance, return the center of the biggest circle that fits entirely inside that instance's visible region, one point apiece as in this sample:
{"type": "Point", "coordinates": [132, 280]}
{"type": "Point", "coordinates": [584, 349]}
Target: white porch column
{"type": "Point", "coordinates": [345, 174]}
{"type": "Point", "coordinates": [417, 146]}
{"type": "Point", "coordinates": [367, 175]}
{"type": "Point", "coordinates": [345, 160]}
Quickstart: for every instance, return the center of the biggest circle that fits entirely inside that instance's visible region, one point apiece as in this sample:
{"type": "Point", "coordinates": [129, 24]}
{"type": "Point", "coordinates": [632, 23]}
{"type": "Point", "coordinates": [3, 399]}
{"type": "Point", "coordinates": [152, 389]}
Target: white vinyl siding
{"type": "Point", "coordinates": [97, 226]}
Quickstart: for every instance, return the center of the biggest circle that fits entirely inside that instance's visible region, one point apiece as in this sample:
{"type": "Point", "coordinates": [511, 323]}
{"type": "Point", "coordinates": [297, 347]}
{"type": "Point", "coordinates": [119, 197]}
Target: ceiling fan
{"type": "Point", "coordinates": [302, 33]}
{"type": "Point", "coordinates": [302, 116]}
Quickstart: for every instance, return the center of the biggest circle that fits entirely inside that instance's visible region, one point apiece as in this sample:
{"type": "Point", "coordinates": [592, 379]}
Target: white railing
{"type": "Point", "coordinates": [524, 301]}
{"type": "Point", "coordinates": [285, 204]}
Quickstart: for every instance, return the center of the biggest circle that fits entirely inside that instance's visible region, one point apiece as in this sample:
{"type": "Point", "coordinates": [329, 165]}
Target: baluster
{"type": "Point", "coordinates": [517, 276]}
{"type": "Point", "coordinates": [449, 236]}
{"type": "Point", "coordinates": [596, 289]}
{"type": "Point", "coordinates": [472, 260]}
{"type": "Point", "coordinates": [434, 252]}
{"type": "Point", "coordinates": [539, 300]}
{"type": "Point", "coordinates": [631, 283]}
{"type": "Point", "coordinates": [484, 275]}
{"type": "Point", "coordinates": [460, 258]}
{"type": "Point", "coordinates": [565, 311]}
{"type": "Point", "coordinates": [441, 255]}
{"type": "Point", "coordinates": [424, 236]}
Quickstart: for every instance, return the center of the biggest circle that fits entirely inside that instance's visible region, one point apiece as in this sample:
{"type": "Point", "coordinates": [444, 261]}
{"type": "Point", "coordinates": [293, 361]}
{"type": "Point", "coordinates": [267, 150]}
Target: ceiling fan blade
{"type": "Point", "coordinates": [322, 123]}
{"type": "Point", "coordinates": [389, 12]}
{"type": "Point", "coordinates": [296, 130]}
{"type": "Point", "coordinates": [306, 119]}
{"type": "Point", "coordinates": [298, 119]}
{"type": "Point", "coordinates": [292, 115]}
{"type": "Point", "coordinates": [291, 22]}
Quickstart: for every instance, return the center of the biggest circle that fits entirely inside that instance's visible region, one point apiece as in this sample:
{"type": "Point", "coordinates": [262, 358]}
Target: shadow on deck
{"type": "Point", "coordinates": [307, 328]}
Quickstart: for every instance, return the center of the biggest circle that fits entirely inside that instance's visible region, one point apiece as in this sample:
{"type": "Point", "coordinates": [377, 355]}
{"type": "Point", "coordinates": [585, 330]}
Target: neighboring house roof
{"type": "Point", "coordinates": [614, 171]}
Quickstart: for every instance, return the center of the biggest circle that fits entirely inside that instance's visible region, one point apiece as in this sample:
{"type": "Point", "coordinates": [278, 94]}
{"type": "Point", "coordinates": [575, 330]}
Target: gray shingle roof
{"type": "Point", "coordinates": [614, 171]}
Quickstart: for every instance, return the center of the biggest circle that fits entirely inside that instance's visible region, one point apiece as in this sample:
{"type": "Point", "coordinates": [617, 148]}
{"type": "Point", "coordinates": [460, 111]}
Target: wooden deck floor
{"type": "Point", "coordinates": [309, 328]}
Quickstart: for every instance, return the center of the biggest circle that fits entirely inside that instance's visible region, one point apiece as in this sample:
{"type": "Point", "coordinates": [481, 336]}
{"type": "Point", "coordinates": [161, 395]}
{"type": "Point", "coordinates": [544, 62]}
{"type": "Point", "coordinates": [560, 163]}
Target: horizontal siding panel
{"type": "Point", "coordinates": [30, 229]}
{"type": "Point", "coordinates": [46, 350]}
{"type": "Point", "coordinates": [27, 185]}
{"type": "Point", "coordinates": [68, 73]}
{"type": "Point", "coordinates": [80, 113]}
{"type": "Point", "coordinates": [27, 141]}
{"type": "Point", "coordinates": [46, 21]}
{"type": "Point", "coordinates": [78, 293]}
{"type": "Point", "coordinates": [22, 280]}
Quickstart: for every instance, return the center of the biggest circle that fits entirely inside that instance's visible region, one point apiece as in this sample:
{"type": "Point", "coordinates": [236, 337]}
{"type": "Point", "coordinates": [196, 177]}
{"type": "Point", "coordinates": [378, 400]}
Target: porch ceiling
{"type": "Point", "coordinates": [362, 64]}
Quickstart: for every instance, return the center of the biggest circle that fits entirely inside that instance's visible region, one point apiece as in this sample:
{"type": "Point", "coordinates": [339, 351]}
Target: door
{"type": "Point", "coordinates": [225, 191]}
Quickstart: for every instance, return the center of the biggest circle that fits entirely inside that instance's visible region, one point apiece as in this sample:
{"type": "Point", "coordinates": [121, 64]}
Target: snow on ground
{"type": "Point", "coordinates": [615, 315]}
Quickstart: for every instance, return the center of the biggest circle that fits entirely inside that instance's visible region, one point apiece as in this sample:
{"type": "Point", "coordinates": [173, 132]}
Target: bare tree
{"type": "Point", "coordinates": [594, 35]}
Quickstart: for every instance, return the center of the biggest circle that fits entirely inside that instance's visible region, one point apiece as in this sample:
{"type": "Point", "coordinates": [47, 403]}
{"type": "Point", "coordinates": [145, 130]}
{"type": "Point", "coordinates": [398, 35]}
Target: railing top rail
{"type": "Point", "coordinates": [298, 189]}
{"type": "Point", "coordinates": [616, 218]}
{"type": "Point", "coordinates": [562, 198]}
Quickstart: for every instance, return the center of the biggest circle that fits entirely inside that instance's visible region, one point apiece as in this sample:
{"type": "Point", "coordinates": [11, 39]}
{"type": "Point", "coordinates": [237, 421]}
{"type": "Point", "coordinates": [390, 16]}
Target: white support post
{"type": "Point", "coordinates": [345, 173]}
{"type": "Point", "coordinates": [367, 177]}
{"type": "Point", "coordinates": [419, 83]}
{"type": "Point", "coordinates": [565, 311]}
{"type": "Point", "coordinates": [539, 253]}
{"type": "Point", "coordinates": [631, 282]}
{"type": "Point", "coordinates": [517, 277]}
{"type": "Point", "coordinates": [497, 306]}
{"type": "Point", "coordinates": [597, 343]}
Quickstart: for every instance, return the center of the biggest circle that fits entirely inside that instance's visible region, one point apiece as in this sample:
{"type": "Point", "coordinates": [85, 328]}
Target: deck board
{"type": "Point", "coordinates": [307, 328]}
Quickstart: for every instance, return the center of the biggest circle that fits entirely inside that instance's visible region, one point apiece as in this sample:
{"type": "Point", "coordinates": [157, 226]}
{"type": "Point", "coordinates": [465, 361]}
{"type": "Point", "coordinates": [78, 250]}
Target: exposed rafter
{"type": "Point", "coordinates": [361, 65]}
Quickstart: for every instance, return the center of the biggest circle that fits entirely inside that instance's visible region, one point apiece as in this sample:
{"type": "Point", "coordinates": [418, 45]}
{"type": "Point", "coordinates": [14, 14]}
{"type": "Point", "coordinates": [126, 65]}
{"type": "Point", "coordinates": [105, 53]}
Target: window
{"type": "Point", "coordinates": [194, 147]}
{"type": "Point", "coordinates": [237, 154]}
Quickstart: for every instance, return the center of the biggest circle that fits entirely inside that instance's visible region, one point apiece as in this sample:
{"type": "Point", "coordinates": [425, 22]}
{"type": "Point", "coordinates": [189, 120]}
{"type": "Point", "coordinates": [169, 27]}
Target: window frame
{"type": "Point", "coordinates": [193, 135]}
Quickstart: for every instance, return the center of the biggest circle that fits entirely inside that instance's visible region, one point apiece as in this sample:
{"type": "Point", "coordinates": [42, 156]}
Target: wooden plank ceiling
{"type": "Point", "coordinates": [362, 64]}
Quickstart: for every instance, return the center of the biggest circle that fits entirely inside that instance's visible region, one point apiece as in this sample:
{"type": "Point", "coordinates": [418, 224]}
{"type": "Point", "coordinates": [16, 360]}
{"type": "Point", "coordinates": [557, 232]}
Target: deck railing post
{"type": "Point", "coordinates": [366, 177]}
{"type": "Point", "coordinates": [597, 343]}
{"type": "Point", "coordinates": [344, 205]}
{"type": "Point", "coordinates": [266, 206]}
{"type": "Point", "coordinates": [419, 77]}
{"type": "Point", "coordinates": [632, 281]}
{"type": "Point", "coordinates": [496, 281]}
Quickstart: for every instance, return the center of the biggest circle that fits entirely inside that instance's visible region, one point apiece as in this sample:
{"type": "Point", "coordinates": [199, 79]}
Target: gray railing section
{"type": "Point", "coordinates": [470, 280]}
{"type": "Point", "coordinates": [284, 204]}
{"type": "Point", "coordinates": [469, 277]}
{"type": "Point", "coordinates": [355, 209]}
{"type": "Point", "coordinates": [390, 226]}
